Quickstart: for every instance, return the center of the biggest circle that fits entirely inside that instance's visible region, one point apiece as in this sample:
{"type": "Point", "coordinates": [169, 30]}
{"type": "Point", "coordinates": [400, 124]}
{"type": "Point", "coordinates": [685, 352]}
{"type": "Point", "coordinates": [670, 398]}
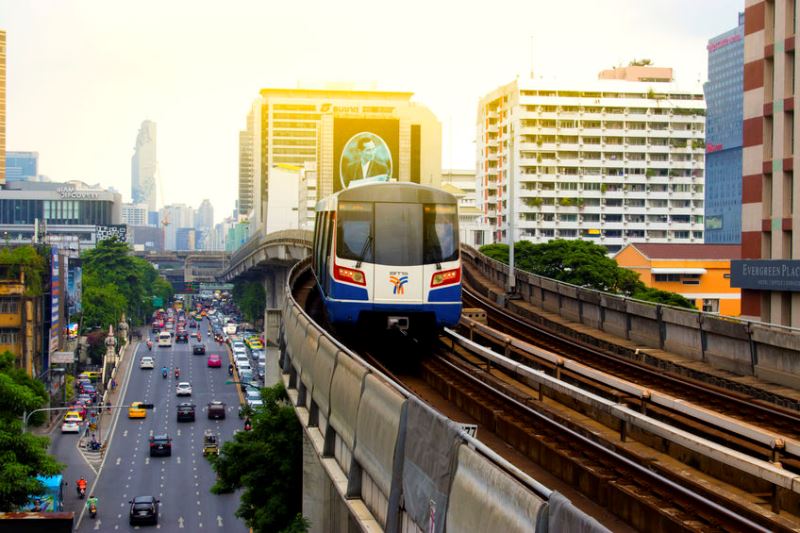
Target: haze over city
{"type": "Point", "coordinates": [90, 72]}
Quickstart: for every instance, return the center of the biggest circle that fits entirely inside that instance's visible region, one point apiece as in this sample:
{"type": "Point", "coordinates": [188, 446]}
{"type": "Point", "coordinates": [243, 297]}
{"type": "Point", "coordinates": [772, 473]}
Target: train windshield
{"type": "Point", "coordinates": [400, 234]}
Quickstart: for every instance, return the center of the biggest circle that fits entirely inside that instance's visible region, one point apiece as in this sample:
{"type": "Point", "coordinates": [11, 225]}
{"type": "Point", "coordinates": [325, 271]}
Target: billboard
{"type": "Point", "coordinates": [74, 287]}
{"type": "Point", "coordinates": [120, 231]}
{"type": "Point", "coordinates": [55, 294]}
{"type": "Point", "coordinates": [766, 274]}
{"type": "Point", "coordinates": [365, 149]}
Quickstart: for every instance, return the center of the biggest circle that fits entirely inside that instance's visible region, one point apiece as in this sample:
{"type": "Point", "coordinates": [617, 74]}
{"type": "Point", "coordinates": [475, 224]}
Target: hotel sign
{"type": "Point", "coordinates": [766, 275]}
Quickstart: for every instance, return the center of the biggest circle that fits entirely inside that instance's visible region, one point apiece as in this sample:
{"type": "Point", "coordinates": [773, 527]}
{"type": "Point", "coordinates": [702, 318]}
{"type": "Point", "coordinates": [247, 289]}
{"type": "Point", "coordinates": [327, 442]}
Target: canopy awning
{"type": "Point", "coordinates": [677, 270]}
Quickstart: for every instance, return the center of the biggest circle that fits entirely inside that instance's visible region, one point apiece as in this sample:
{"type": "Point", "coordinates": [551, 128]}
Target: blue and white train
{"type": "Point", "coordinates": [386, 256]}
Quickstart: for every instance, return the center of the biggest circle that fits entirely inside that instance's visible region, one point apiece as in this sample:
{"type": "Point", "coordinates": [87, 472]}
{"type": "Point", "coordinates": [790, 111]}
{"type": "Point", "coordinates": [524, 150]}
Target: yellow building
{"type": "Point", "coordinates": [19, 327]}
{"type": "Point", "coordinates": [698, 272]}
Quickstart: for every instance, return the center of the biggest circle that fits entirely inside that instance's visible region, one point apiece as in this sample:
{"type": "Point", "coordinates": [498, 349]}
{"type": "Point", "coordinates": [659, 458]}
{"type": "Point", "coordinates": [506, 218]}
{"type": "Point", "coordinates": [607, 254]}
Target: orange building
{"type": "Point", "coordinates": [699, 272]}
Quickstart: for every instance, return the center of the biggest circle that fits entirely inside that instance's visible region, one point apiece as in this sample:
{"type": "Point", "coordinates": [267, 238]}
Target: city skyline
{"type": "Point", "coordinates": [197, 89]}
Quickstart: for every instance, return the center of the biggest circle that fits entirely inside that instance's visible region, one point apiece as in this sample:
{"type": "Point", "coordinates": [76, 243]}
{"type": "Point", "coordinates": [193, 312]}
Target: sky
{"type": "Point", "coordinates": [83, 74]}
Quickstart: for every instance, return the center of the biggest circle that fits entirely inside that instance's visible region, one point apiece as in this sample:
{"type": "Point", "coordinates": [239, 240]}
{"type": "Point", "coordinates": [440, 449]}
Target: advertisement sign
{"type": "Point", "coordinates": [55, 293]}
{"type": "Point", "coordinates": [72, 330]}
{"type": "Point", "coordinates": [216, 286]}
{"type": "Point", "coordinates": [766, 275]}
{"type": "Point", "coordinates": [120, 231]}
{"type": "Point", "coordinates": [364, 149]}
{"type": "Point", "coordinates": [74, 287]}
{"type": "Point", "coordinates": [62, 358]}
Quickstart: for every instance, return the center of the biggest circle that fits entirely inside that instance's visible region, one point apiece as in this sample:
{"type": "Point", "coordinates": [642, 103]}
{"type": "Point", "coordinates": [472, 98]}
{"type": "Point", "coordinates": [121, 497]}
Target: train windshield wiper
{"type": "Point", "coordinates": [363, 252]}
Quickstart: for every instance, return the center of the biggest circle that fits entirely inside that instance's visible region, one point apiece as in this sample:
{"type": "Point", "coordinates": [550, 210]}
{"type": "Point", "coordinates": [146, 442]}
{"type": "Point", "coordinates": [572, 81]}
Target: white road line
{"type": "Point", "coordinates": [97, 524]}
{"type": "Point", "coordinates": [119, 460]}
{"type": "Point", "coordinates": [219, 520]}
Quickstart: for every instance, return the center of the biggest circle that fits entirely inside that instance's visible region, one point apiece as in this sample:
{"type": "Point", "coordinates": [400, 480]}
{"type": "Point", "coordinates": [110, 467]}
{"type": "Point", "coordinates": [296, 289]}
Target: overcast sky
{"type": "Point", "coordinates": [82, 75]}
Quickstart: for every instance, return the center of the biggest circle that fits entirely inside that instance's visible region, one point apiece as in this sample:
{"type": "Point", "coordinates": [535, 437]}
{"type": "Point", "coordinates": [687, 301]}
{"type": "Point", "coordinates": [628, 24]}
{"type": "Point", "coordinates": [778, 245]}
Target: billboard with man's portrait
{"type": "Point", "coordinates": [364, 149]}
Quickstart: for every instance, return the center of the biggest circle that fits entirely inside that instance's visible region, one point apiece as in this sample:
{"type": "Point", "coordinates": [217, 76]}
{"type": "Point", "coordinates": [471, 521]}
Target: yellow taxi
{"type": "Point", "coordinates": [90, 374]}
{"type": "Point", "coordinates": [137, 411]}
{"type": "Point", "coordinates": [73, 415]}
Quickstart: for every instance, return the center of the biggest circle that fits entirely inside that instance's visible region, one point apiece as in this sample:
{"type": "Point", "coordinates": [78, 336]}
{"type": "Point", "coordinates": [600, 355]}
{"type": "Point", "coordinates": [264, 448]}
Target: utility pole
{"type": "Point", "coordinates": [511, 183]}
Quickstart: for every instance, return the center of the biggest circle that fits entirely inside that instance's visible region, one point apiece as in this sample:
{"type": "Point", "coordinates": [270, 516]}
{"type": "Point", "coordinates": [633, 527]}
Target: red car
{"type": "Point", "coordinates": [214, 360]}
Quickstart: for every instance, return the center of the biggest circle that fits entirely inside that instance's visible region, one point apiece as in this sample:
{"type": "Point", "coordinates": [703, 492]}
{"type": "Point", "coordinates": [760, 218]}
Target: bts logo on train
{"type": "Point", "coordinates": [398, 279]}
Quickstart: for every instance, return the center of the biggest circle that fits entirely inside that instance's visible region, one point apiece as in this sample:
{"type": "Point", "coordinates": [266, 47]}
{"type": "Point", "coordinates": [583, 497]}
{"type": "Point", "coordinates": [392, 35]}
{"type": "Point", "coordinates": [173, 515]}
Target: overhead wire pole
{"type": "Point", "coordinates": [511, 182]}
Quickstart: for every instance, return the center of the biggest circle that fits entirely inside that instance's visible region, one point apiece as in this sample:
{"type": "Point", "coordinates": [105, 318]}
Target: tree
{"type": "Point", "coordinates": [26, 260]}
{"type": "Point", "coordinates": [581, 263]}
{"type": "Point", "coordinates": [267, 463]}
{"type": "Point", "coordinates": [23, 456]}
{"type": "Point", "coordinates": [251, 299]}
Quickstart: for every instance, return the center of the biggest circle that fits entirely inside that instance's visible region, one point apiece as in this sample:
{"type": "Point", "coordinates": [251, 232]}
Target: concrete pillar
{"type": "Point", "coordinates": [316, 490]}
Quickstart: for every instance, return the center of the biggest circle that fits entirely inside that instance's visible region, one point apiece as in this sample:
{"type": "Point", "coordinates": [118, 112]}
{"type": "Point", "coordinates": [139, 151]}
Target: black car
{"type": "Point", "coordinates": [160, 445]}
{"type": "Point", "coordinates": [185, 412]}
{"type": "Point", "coordinates": [199, 349]}
{"type": "Point", "coordinates": [144, 509]}
{"type": "Point", "coordinates": [216, 410]}
{"type": "Point", "coordinates": [182, 336]}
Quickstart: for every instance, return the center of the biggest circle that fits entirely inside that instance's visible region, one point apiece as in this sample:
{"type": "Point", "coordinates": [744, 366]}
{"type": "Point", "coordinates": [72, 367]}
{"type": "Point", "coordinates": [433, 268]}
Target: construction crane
{"type": "Point", "coordinates": [164, 224]}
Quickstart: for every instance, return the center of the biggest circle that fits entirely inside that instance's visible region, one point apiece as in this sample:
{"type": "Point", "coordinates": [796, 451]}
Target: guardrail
{"type": "Point", "coordinates": [768, 351]}
{"type": "Point", "coordinates": [392, 459]}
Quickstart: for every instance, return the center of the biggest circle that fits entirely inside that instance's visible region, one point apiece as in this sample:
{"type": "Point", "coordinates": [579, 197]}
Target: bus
{"type": "Point", "coordinates": [52, 501]}
{"type": "Point", "coordinates": [165, 339]}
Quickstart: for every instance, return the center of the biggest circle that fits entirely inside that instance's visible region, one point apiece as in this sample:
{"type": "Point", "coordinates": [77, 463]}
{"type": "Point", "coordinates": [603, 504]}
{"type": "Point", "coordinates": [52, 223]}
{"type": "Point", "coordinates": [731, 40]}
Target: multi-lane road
{"type": "Point", "coordinates": [181, 481]}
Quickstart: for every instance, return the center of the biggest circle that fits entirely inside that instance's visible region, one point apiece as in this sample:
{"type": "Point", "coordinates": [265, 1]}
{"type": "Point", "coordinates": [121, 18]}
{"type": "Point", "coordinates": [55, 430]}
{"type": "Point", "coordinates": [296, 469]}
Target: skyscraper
{"type": "Point", "coordinates": [22, 166]}
{"type": "Point", "coordinates": [246, 170]}
{"type": "Point", "coordinates": [204, 216]}
{"type": "Point", "coordinates": [2, 107]}
{"type": "Point", "coordinates": [144, 166]}
{"type": "Point", "coordinates": [723, 222]}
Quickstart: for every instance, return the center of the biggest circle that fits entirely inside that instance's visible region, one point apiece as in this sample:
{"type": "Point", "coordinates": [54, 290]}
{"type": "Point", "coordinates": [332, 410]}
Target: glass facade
{"type": "Point", "coordinates": [724, 97]}
{"type": "Point", "coordinates": [59, 212]}
{"type": "Point", "coordinates": [22, 166]}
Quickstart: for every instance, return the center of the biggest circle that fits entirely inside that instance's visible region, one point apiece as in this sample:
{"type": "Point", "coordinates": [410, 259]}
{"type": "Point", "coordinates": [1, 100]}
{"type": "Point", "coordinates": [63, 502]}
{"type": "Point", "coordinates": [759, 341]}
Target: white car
{"type": "Point", "coordinates": [184, 388]}
{"type": "Point", "coordinates": [147, 362]}
{"type": "Point", "coordinates": [253, 398]}
{"type": "Point", "coordinates": [72, 424]}
{"type": "Point", "coordinates": [243, 366]}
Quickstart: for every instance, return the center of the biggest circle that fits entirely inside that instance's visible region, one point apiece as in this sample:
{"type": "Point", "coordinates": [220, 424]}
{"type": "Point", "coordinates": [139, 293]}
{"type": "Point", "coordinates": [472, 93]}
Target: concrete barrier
{"type": "Point", "coordinates": [322, 374]}
{"type": "Point", "coordinates": [483, 498]}
{"type": "Point", "coordinates": [346, 389]}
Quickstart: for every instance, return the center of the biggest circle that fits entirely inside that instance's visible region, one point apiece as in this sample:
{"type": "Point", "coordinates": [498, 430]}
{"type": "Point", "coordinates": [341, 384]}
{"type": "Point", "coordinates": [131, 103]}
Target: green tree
{"type": "Point", "coordinates": [251, 298]}
{"type": "Point", "coordinates": [23, 456]}
{"type": "Point", "coordinates": [102, 303]}
{"type": "Point", "coordinates": [267, 463]}
{"type": "Point", "coordinates": [26, 260]}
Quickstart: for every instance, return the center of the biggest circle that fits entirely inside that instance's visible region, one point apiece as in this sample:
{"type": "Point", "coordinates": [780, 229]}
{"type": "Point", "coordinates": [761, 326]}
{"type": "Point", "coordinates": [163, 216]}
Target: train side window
{"type": "Point", "coordinates": [329, 221]}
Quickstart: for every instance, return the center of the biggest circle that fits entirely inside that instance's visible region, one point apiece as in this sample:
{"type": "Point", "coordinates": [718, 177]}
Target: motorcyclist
{"type": "Point", "coordinates": [230, 369]}
{"type": "Point", "coordinates": [247, 424]}
{"type": "Point", "coordinates": [81, 486]}
{"type": "Point", "coordinates": [164, 371]}
{"type": "Point", "coordinates": [177, 372]}
{"type": "Point", "coordinates": [149, 344]}
{"type": "Point", "coordinates": [91, 505]}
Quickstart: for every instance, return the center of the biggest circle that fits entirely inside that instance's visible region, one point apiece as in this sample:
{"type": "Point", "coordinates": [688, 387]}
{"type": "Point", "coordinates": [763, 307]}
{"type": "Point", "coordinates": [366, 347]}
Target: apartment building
{"type": "Point", "coordinates": [461, 183]}
{"type": "Point", "coordinates": [611, 160]}
{"type": "Point", "coordinates": [769, 272]}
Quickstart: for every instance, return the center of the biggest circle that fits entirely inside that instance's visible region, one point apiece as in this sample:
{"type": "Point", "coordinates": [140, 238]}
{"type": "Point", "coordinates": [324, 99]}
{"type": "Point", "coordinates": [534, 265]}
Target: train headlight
{"type": "Point", "coordinates": [446, 277]}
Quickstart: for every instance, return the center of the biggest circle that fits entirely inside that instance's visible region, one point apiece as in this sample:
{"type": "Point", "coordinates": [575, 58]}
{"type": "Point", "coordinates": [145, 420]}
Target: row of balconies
{"type": "Point", "coordinates": [624, 147]}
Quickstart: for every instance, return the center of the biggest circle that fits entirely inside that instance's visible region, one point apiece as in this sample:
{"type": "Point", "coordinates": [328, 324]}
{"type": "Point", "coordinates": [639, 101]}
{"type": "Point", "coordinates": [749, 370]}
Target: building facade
{"type": "Point", "coordinates": [204, 216]}
{"type": "Point", "coordinates": [723, 91]}
{"type": "Point", "coordinates": [770, 192]}
{"type": "Point", "coordinates": [134, 214]}
{"type": "Point", "coordinates": [144, 166]}
{"type": "Point", "coordinates": [53, 212]}
{"type": "Point", "coordinates": [698, 272]}
{"type": "Point", "coordinates": [2, 107]}
{"type": "Point", "coordinates": [295, 126]}
{"type": "Point", "coordinates": [244, 203]}
{"type": "Point", "coordinates": [174, 217]}
{"type": "Point", "coordinates": [462, 184]}
{"type": "Point", "coordinates": [608, 160]}
{"type": "Point", "coordinates": [22, 166]}
{"type": "Point", "coordinates": [307, 203]}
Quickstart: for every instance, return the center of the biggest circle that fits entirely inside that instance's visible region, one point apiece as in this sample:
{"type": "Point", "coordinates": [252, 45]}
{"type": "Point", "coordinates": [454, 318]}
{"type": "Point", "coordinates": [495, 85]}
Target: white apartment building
{"type": "Point", "coordinates": [307, 203]}
{"type": "Point", "coordinates": [610, 160]}
{"type": "Point", "coordinates": [462, 184]}
{"type": "Point", "coordinates": [134, 214]}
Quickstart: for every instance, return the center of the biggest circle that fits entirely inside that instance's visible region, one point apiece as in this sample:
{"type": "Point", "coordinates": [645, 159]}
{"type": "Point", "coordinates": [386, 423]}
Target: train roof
{"type": "Point", "coordinates": [390, 192]}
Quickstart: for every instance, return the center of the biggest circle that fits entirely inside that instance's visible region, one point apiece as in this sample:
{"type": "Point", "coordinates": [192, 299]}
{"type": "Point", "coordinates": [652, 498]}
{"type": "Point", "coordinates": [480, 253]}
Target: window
{"type": "Point", "coordinates": [9, 305]}
{"type": "Point", "coordinates": [354, 231]}
{"type": "Point", "coordinates": [9, 336]}
{"type": "Point", "coordinates": [667, 278]}
{"type": "Point", "coordinates": [690, 279]}
{"type": "Point", "coordinates": [711, 305]}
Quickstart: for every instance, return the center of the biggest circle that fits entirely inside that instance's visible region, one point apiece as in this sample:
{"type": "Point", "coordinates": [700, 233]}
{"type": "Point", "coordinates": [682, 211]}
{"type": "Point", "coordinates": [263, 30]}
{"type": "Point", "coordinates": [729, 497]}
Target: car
{"type": "Point", "coordinates": [253, 398]}
{"type": "Point", "coordinates": [186, 412]}
{"type": "Point", "coordinates": [72, 422]}
{"type": "Point", "coordinates": [243, 366]}
{"type": "Point", "coordinates": [160, 445]}
{"type": "Point", "coordinates": [184, 388]}
{"type": "Point", "coordinates": [216, 410]}
{"type": "Point", "coordinates": [199, 349]}
{"type": "Point", "coordinates": [182, 336]}
{"type": "Point", "coordinates": [241, 359]}
{"type": "Point", "coordinates": [261, 369]}
{"type": "Point", "coordinates": [214, 360]}
{"type": "Point", "coordinates": [93, 375]}
{"type": "Point", "coordinates": [147, 362]}
{"type": "Point", "coordinates": [85, 398]}
{"type": "Point", "coordinates": [192, 324]}
{"type": "Point", "coordinates": [238, 345]}
{"type": "Point", "coordinates": [137, 410]}
{"type": "Point", "coordinates": [144, 509]}
{"type": "Point", "coordinates": [198, 335]}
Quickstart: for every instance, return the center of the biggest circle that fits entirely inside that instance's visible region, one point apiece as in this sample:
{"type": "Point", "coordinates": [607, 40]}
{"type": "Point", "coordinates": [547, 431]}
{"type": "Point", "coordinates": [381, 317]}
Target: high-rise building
{"type": "Point", "coordinates": [307, 203]}
{"type": "Point", "coordinates": [462, 184]}
{"type": "Point", "coordinates": [723, 218]}
{"type": "Point", "coordinates": [326, 126]}
{"type": "Point", "coordinates": [204, 216]}
{"type": "Point", "coordinates": [246, 169]}
{"type": "Point", "coordinates": [22, 166]}
{"type": "Point", "coordinates": [2, 107]}
{"type": "Point", "coordinates": [134, 214]}
{"type": "Point", "coordinates": [185, 239]}
{"type": "Point", "coordinates": [176, 216]}
{"type": "Point", "coordinates": [610, 160]}
{"type": "Point", "coordinates": [768, 271]}
{"type": "Point", "coordinates": [144, 166]}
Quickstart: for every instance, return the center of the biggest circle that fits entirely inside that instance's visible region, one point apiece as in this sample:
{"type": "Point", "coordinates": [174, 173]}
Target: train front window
{"type": "Point", "coordinates": [398, 228]}
{"type": "Point", "coordinates": [353, 231]}
{"type": "Point", "coordinates": [440, 239]}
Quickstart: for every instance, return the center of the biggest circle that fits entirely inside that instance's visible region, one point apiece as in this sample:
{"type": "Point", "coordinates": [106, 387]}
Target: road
{"type": "Point", "coordinates": [181, 481]}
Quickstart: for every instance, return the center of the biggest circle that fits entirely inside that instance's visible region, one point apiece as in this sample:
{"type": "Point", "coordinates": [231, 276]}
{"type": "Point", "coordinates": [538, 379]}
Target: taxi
{"type": "Point", "coordinates": [90, 374]}
{"type": "Point", "coordinates": [72, 422]}
{"type": "Point", "coordinates": [136, 410]}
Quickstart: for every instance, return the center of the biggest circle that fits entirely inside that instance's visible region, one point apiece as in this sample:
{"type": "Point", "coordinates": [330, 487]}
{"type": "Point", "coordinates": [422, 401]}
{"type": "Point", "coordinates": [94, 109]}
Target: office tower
{"type": "Point", "coordinates": [144, 166]}
{"type": "Point", "coordinates": [723, 218]}
{"type": "Point", "coordinates": [134, 214]}
{"type": "Point", "coordinates": [204, 216]}
{"type": "Point", "coordinates": [22, 166]}
{"type": "Point", "coordinates": [176, 216]}
{"type": "Point", "coordinates": [2, 107]}
{"type": "Point", "coordinates": [770, 192]}
{"type": "Point", "coordinates": [615, 160]}
{"type": "Point", "coordinates": [246, 170]}
{"type": "Point", "coordinates": [295, 126]}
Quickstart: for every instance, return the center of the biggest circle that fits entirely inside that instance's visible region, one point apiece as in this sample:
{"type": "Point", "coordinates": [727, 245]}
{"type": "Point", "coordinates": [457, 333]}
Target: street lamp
{"type": "Point", "coordinates": [231, 382]}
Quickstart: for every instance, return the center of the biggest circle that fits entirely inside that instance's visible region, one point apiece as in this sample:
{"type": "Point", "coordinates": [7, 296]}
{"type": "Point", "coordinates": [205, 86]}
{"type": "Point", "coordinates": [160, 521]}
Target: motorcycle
{"type": "Point", "coordinates": [177, 373]}
{"type": "Point", "coordinates": [92, 510]}
{"type": "Point", "coordinates": [81, 492]}
{"type": "Point", "coordinates": [230, 370]}
{"type": "Point", "coordinates": [164, 373]}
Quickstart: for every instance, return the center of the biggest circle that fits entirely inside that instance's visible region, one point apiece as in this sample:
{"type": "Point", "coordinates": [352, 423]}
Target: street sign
{"type": "Point", "coordinates": [216, 286]}
{"type": "Point", "coordinates": [62, 358]}
{"type": "Point", "coordinates": [158, 302]}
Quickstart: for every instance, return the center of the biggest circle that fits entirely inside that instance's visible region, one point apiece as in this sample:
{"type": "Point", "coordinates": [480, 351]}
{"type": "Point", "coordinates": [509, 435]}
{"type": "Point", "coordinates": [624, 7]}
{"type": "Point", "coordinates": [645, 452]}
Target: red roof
{"type": "Point", "coordinates": [689, 251]}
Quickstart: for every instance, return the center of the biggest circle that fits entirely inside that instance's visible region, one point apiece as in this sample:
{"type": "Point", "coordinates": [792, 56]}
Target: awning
{"type": "Point", "coordinates": [677, 270]}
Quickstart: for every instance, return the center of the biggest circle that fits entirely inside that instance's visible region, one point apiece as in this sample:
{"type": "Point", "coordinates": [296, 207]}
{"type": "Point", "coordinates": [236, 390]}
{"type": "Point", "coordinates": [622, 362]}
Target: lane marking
{"type": "Point", "coordinates": [219, 520]}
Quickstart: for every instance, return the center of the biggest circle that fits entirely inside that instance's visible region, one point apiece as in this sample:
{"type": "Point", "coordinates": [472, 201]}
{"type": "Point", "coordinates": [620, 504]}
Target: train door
{"type": "Point", "coordinates": [398, 253]}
